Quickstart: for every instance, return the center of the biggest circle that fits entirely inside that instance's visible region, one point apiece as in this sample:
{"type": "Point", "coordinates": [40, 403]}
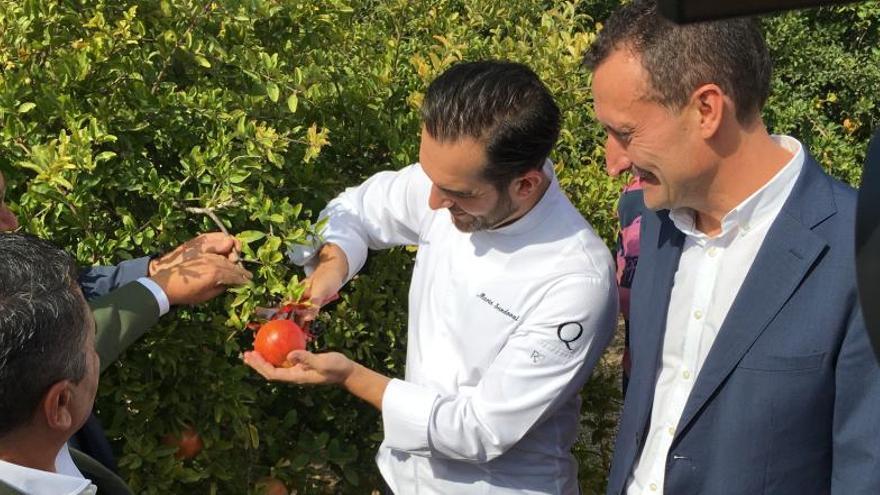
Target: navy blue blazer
{"type": "Point", "coordinates": [97, 281]}
{"type": "Point", "coordinates": [788, 399]}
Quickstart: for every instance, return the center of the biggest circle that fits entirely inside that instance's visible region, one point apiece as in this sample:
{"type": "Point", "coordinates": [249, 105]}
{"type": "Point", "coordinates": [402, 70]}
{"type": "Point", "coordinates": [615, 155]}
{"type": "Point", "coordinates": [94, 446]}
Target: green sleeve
{"type": "Point", "coordinates": [121, 317]}
{"type": "Point", "coordinates": [108, 482]}
{"type": "Point", "coordinates": [6, 489]}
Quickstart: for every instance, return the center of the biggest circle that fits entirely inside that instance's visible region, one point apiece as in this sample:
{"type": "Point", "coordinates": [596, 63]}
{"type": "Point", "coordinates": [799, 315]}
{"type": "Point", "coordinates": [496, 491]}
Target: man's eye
{"type": "Point", "coordinates": [458, 194]}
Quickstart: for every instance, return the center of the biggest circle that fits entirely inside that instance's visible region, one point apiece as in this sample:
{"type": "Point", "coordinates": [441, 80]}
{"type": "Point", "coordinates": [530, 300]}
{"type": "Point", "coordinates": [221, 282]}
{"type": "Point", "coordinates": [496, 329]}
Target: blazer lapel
{"type": "Point", "coordinates": [650, 343]}
{"type": "Point", "coordinates": [784, 259]}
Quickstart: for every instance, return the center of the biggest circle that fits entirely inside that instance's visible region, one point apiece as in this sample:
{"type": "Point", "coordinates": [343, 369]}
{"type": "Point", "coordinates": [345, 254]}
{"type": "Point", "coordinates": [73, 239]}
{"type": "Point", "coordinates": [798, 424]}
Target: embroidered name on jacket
{"type": "Point", "coordinates": [506, 312]}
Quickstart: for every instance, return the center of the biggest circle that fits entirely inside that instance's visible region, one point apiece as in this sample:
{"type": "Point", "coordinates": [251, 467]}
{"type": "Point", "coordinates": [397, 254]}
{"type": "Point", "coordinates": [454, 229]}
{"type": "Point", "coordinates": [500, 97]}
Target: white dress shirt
{"type": "Point", "coordinates": [67, 480]}
{"type": "Point", "coordinates": [504, 328]}
{"type": "Point", "coordinates": [709, 276]}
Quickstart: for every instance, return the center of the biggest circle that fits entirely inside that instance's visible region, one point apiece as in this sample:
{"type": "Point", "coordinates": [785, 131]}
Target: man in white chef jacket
{"type": "Point", "coordinates": [512, 300]}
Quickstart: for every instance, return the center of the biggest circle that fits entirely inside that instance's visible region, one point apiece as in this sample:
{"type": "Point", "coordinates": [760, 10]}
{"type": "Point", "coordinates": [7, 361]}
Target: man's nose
{"type": "Point", "coordinates": [437, 199]}
{"type": "Point", "coordinates": [616, 159]}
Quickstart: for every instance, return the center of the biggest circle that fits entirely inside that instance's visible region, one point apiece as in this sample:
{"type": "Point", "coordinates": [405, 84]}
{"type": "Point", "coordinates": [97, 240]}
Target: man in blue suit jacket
{"type": "Point", "coordinates": [751, 366]}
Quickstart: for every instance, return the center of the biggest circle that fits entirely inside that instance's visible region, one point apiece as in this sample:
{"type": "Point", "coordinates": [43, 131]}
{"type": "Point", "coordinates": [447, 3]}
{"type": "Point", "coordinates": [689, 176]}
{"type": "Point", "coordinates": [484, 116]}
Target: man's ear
{"type": "Point", "coordinates": [709, 101]}
{"type": "Point", "coordinates": [57, 405]}
{"type": "Point", "coordinates": [525, 185]}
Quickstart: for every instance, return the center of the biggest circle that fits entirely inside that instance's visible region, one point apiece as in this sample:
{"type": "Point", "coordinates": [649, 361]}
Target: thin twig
{"type": "Point", "coordinates": [210, 213]}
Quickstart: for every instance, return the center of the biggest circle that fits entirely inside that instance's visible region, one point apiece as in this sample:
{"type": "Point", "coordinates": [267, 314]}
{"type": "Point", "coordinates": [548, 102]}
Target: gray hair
{"type": "Point", "coordinates": [42, 325]}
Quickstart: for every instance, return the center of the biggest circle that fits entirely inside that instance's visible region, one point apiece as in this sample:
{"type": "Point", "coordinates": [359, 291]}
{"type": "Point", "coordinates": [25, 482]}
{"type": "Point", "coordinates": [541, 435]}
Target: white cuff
{"type": "Point", "coordinates": [158, 293]}
{"type": "Point", "coordinates": [306, 255]}
{"type": "Point", "coordinates": [406, 411]}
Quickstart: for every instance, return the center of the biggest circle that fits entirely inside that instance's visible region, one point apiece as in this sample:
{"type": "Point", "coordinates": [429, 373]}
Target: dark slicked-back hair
{"type": "Point", "coordinates": [502, 104]}
{"type": "Point", "coordinates": [42, 323]}
{"type": "Point", "coordinates": [679, 58]}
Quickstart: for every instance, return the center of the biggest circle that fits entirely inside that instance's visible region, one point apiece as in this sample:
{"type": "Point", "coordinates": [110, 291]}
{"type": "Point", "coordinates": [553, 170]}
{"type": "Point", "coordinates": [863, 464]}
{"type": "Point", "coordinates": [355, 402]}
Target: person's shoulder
{"type": "Point", "coordinates": [581, 249]}
{"type": "Point", "coordinates": [843, 198]}
{"type": "Point", "coordinates": [844, 194]}
{"type": "Point", "coordinates": [814, 178]}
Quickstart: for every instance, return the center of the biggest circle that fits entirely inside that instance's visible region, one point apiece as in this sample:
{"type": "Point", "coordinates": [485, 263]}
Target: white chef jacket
{"type": "Point", "coordinates": [66, 481]}
{"type": "Point", "coordinates": [504, 328]}
{"type": "Point", "coordinates": [710, 273]}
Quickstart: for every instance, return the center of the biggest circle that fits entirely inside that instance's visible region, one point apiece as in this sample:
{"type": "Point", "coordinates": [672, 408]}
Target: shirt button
{"type": "Point", "coordinates": [671, 431]}
{"type": "Point", "coordinates": [653, 487]}
{"type": "Point", "coordinates": [698, 314]}
{"type": "Point", "coordinates": [713, 251]}
{"type": "Point", "coordinates": [686, 375]}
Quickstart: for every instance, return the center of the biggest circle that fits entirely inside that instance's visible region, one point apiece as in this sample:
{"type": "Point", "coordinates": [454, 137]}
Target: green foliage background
{"type": "Point", "coordinates": [119, 115]}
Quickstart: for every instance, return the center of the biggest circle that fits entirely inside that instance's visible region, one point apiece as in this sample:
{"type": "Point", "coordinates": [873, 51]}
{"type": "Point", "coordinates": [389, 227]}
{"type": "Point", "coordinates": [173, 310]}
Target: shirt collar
{"type": "Point", "coordinates": [761, 206]}
{"type": "Point", "coordinates": [38, 482]}
{"type": "Point", "coordinates": [539, 212]}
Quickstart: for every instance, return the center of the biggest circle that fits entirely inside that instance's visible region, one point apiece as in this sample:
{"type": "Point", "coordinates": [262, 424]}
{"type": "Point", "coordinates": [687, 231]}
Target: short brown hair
{"type": "Point", "coordinates": [679, 58]}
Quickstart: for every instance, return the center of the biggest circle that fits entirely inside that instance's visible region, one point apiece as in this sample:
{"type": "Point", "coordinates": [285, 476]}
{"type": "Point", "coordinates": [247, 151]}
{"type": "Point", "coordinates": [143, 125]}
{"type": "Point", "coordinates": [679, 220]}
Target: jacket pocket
{"type": "Point", "coordinates": [765, 362]}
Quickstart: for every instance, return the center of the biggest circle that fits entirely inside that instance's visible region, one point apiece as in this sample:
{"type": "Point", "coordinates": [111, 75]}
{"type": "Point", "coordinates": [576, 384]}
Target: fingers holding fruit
{"type": "Point", "coordinates": [323, 368]}
{"type": "Point", "coordinates": [305, 368]}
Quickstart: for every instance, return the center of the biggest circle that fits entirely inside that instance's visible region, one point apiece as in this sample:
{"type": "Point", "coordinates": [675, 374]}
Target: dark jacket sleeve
{"type": "Point", "coordinates": [107, 481]}
{"type": "Point", "coordinates": [121, 317]}
{"type": "Point", "coordinates": [97, 281]}
{"type": "Point", "coordinates": [856, 455]}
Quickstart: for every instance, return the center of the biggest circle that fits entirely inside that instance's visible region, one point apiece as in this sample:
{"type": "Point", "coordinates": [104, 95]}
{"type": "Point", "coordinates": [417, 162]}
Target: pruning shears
{"type": "Point", "coordinates": [289, 311]}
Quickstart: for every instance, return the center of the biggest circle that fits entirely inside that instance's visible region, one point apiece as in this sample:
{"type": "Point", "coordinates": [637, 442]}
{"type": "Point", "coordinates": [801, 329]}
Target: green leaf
{"type": "Point", "coordinates": [351, 475]}
{"type": "Point", "coordinates": [26, 107]}
{"type": "Point", "coordinates": [273, 91]}
{"type": "Point", "coordinates": [202, 61]}
{"type": "Point", "coordinates": [254, 436]}
{"type": "Point", "coordinates": [240, 299]}
{"type": "Point", "coordinates": [238, 176]}
{"type": "Point", "coordinates": [292, 103]}
{"type": "Point", "coordinates": [249, 236]}
{"type": "Point", "coordinates": [104, 156]}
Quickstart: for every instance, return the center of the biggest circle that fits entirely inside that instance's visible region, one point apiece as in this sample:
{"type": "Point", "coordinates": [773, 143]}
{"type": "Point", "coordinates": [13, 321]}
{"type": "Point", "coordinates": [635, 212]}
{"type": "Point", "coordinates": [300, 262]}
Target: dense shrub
{"type": "Point", "coordinates": [119, 118]}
